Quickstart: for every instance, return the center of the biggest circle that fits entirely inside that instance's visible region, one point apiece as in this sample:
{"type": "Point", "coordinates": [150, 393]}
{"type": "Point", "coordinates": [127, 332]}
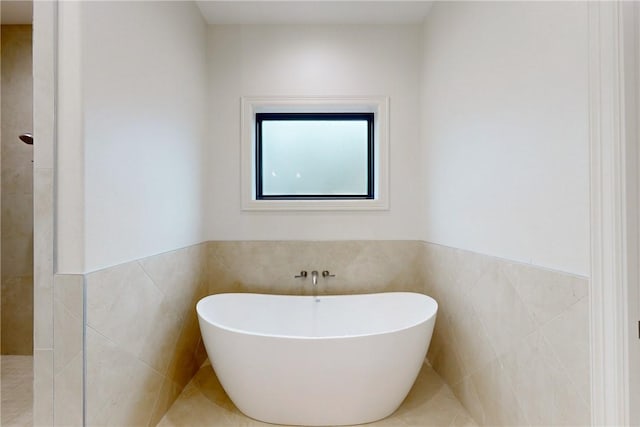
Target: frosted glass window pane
{"type": "Point", "coordinates": [315, 158]}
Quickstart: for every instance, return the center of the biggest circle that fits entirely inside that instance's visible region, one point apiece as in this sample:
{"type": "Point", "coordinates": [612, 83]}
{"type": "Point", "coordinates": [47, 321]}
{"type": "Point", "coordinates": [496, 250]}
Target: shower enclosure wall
{"type": "Point", "coordinates": [17, 192]}
{"type": "Point", "coordinates": [16, 223]}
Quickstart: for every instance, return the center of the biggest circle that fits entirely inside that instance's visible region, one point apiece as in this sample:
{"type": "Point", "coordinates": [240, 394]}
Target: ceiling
{"type": "Point", "coordinates": [277, 12]}
{"type": "Point", "coordinates": [16, 12]}
{"type": "Point", "coordinates": [314, 11]}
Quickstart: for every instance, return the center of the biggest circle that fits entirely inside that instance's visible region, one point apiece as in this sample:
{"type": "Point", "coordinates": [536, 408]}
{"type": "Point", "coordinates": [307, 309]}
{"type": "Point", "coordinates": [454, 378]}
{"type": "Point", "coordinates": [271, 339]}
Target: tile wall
{"type": "Point", "coordinates": [270, 266]}
{"type": "Point", "coordinates": [143, 342]}
{"type": "Point", "coordinates": [17, 191]}
{"type": "Point", "coordinates": [68, 353]}
{"type": "Point", "coordinates": [44, 43]}
{"type": "Point", "coordinates": [142, 339]}
{"type": "Point", "coordinates": [510, 339]}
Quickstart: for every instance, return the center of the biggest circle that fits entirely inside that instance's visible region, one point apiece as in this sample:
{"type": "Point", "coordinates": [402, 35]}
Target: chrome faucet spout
{"type": "Point", "coordinates": [314, 284]}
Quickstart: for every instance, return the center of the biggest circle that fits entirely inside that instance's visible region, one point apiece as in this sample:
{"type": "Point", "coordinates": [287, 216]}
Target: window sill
{"type": "Point", "coordinates": [315, 205]}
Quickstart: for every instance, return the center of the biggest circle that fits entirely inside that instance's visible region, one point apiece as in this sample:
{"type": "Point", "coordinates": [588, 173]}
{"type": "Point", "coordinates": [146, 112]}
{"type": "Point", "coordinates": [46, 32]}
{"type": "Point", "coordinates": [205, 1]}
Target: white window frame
{"type": "Point", "coordinates": [379, 105]}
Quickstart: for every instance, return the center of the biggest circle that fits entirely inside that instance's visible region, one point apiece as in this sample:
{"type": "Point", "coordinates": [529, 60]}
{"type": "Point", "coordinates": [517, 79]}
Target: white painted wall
{"type": "Point", "coordinates": [143, 99]}
{"type": "Point", "coordinates": [491, 155]}
{"type": "Point", "coordinates": [318, 60]}
{"type": "Point", "coordinates": [505, 130]}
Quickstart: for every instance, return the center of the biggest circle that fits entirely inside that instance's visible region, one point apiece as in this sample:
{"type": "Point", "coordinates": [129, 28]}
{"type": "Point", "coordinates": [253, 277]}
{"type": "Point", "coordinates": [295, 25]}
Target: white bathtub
{"type": "Point", "coordinates": [347, 359]}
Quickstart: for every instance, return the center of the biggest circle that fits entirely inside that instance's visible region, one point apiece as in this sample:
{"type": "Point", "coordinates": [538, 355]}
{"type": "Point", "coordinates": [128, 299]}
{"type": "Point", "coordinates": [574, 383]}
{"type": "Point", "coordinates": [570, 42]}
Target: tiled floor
{"type": "Point", "coordinates": [16, 389]}
{"type": "Point", "coordinates": [204, 402]}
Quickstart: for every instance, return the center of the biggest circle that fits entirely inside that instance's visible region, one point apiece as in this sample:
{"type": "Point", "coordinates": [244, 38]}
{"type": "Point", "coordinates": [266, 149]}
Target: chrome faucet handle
{"type": "Point", "coordinates": [326, 273]}
{"type": "Point", "coordinates": [302, 274]}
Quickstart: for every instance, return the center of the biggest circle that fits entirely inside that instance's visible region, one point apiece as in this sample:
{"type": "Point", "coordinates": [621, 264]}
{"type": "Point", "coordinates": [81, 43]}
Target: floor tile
{"type": "Point", "coordinates": [16, 373]}
{"type": "Point", "coordinates": [203, 402]}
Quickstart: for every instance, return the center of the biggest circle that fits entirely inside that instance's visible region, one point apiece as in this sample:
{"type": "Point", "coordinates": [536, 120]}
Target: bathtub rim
{"type": "Point", "coordinates": [430, 317]}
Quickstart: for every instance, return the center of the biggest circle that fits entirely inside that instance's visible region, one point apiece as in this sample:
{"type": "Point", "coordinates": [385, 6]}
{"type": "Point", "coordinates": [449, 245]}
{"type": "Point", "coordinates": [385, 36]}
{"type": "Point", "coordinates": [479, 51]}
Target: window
{"type": "Point", "coordinates": [314, 153]}
{"type": "Point", "coordinates": [314, 156]}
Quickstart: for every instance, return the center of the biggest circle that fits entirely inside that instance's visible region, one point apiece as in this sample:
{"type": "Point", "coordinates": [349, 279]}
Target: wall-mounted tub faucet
{"type": "Point", "coordinates": [314, 279]}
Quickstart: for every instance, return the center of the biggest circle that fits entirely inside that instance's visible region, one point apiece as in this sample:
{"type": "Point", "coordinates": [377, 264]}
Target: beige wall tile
{"type": "Point", "coordinates": [185, 363]}
{"type": "Point", "coordinates": [500, 309]}
{"type": "Point", "coordinates": [105, 286]}
{"type": "Point", "coordinates": [43, 259]}
{"type": "Point", "coordinates": [535, 376]}
{"type": "Point", "coordinates": [269, 266]}
{"type": "Point", "coordinates": [43, 122]}
{"type": "Point", "coordinates": [160, 343]}
{"type": "Point", "coordinates": [16, 191]}
{"type": "Point", "coordinates": [466, 392]}
{"type": "Point", "coordinates": [44, 40]}
{"type": "Point", "coordinates": [68, 331]}
{"type": "Point", "coordinates": [545, 293]}
{"type": "Point", "coordinates": [17, 315]}
{"type": "Point", "coordinates": [497, 396]}
{"type": "Point", "coordinates": [469, 337]}
{"type": "Point", "coordinates": [469, 268]}
{"type": "Point", "coordinates": [168, 394]}
{"type": "Point", "coordinates": [437, 341]}
{"type": "Point", "coordinates": [570, 408]}
{"type": "Point", "coordinates": [449, 275]}
{"type": "Point", "coordinates": [122, 304]}
{"type": "Point", "coordinates": [16, 167]}
{"type": "Point", "coordinates": [43, 317]}
{"type": "Point", "coordinates": [379, 266]}
{"type": "Point", "coordinates": [201, 353]}
{"type": "Point", "coordinates": [19, 261]}
{"type": "Point", "coordinates": [520, 334]}
{"type": "Point", "coordinates": [69, 292]}
{"type": "Point", "coordinates": [121, 390]}
{"type": "Point", "coordinates": [262, 266]}
{"type": "Point", "coordinates": [142, 314]}
{"type": "Point", "coordinates": [17, 178]}
{"type": "Point", "coordinates": [444, 358]}
{"type": "Point", "coordinates": [568, 335]}
{"type": "Point", "coordinates": [180, 275]}
{"type": "Point", "coordinates": [68, 353]}
{"type": "Point", "coordinates": [68, 394]}
{"type": "Point", "coordinates": [481, 309]}
{"type": "Point", "coordinates": [42, 388]}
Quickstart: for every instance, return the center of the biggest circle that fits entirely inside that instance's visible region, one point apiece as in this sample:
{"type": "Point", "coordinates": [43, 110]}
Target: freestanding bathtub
{"type": "Point", "coordinates": [340, 360]}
